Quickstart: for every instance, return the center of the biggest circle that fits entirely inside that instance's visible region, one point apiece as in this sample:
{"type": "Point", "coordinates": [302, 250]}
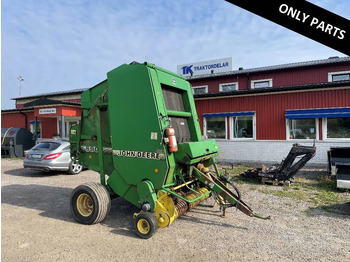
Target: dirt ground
{"type": "Point", "coordinates": [37, 225]}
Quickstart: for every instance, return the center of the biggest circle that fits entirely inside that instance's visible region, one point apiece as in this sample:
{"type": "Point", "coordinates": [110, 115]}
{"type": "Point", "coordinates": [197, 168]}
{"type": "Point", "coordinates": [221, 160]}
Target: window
{"type": "Point", "coordinates": [302, 128]}
{"type": "Point", "coordinates": [228, 87]}
{"type": "Point", "coordinates": [242, 127]}
{"type": "Point", "coordinates": [336, 128]}
{"type": "Point", "coordinates": [215, 127]}
{"type": "Point", "coordinates": [261, 83]}
{"type": "Point", "coordinates": [198, 90]}
{"type": "Point", "coordinates": [46, 146]}
{"type": "Point", "coordinates": [38, 128]}
{"type": "Point", "coordinates": [338, 76]}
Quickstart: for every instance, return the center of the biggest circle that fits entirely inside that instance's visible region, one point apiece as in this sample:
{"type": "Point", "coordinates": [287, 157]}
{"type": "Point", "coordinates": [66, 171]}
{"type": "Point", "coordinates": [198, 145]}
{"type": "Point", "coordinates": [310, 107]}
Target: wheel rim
{"type": "Point", "coordinates": [85, 205]}
{"type": "Point", "coordinates": [77, 168]}
{"type": "Point", "coordinates": [143, 226]}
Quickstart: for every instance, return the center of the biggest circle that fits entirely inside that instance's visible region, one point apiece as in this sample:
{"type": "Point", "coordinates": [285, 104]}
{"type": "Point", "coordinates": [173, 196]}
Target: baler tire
{"type": "Point", "coordinates": [146, 225]}
{"type": "Point", "coordinates": [90, 203]}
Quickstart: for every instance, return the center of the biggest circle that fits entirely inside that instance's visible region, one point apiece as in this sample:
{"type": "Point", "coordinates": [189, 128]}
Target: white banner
{"type": "Point", "coordinates": [47, 111]}
{"type": "Point", "coordinates": [206, 67]}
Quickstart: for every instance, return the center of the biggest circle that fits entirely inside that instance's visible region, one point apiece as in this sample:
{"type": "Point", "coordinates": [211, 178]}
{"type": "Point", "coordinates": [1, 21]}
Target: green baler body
{"type": "Point", "coordinates": [122, 129]}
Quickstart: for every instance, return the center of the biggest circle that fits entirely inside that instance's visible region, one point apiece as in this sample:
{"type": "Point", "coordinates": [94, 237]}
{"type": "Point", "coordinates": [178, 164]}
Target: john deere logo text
{"type": "Point", "coordinates": [138, 154]}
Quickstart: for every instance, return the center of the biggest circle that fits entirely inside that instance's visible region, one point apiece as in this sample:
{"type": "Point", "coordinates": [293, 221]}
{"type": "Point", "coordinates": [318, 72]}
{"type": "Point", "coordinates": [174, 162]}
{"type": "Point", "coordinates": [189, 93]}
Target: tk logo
{"type": "Point", "coordinates": [187, 70]}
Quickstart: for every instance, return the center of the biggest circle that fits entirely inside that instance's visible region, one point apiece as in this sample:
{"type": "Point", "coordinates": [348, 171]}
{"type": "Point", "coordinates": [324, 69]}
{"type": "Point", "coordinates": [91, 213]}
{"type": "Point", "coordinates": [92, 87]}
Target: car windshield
{"type": "Point", "coordinates": [46, 146]}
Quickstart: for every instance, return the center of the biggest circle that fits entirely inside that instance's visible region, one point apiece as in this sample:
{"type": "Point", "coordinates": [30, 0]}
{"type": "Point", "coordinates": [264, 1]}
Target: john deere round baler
{"type": "Point", "coordinates": [139, 129]}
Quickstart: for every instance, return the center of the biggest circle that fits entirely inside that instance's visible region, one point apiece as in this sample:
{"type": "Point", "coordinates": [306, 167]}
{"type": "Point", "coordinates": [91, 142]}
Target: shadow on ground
{"type": "Point", "coordinates": [53, 202]}
{"type": "Point", "coordinates": [23, 172]}
{"type": "Point", "coordinates": [218, 221]}
{"type": "Point", "coordinates": [336, 210]}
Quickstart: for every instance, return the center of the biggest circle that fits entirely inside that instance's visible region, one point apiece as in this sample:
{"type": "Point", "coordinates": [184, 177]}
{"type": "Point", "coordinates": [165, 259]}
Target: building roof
{"type": "Point", "coordinates": [41, 102]}
{"type": "Point", "coordinates": [329, 61]}
{"type": "Point", "coordinates": [276, 89]}
{"type": "Point", "coordinates": [45, 102]}
{"type": "Point", "coordinates": [24, 109]}
{"type": "Point", "coordinates": [69, 92]}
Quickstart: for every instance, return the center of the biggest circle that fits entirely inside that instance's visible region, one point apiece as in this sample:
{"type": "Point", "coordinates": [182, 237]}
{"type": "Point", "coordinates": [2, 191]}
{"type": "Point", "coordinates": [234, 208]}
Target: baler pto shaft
{"type": "Point", "coordinates": [219, 188]}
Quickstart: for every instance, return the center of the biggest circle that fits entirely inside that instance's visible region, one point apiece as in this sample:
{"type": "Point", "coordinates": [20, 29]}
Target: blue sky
{"type": "Point", "coordinates": [59, 45]}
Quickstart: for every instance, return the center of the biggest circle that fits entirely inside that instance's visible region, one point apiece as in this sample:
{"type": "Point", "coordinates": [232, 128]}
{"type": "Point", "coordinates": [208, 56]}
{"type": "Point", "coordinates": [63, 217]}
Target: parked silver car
{"type": "Point", "coordinates": [51, 155]}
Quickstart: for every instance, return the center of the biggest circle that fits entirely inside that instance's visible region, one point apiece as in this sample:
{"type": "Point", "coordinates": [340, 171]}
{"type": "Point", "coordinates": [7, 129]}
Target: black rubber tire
{"type": "Point", "coordinates": [74, 170]}
{"type": "Point", "coordinates": [97, 203]}
{"type": "Point", "coordinates": [148, 222]}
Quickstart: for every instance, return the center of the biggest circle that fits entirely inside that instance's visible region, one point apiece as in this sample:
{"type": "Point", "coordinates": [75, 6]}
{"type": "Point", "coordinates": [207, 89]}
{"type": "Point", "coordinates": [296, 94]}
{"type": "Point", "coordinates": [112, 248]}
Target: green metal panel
{"type": "Point", "coordinates": [193, 152]}
{"type": "Point", "coordinates": [94, 131]}
{"type": "Point", "coordinates": [90, 97]}
{"type": "Point", "coordinates": [147, 194]}
{"type": "Point", "coordinates": [136, 131]}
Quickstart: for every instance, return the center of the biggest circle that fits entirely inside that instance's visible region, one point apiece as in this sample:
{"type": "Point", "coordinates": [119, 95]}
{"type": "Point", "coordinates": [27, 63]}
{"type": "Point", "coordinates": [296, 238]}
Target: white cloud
{"type": "Point", "coordinates": [63, 45]}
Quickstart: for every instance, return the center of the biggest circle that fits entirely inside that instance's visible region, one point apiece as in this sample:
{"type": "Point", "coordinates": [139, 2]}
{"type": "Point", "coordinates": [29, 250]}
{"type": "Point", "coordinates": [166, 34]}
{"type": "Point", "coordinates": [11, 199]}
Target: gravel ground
{"type": "Point", "coordinates": [37, 226]}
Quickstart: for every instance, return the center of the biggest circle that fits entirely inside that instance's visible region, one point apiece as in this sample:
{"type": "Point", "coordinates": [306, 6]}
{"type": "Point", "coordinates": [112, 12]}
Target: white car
{"type": "Point", "coordinates": [51, 155]}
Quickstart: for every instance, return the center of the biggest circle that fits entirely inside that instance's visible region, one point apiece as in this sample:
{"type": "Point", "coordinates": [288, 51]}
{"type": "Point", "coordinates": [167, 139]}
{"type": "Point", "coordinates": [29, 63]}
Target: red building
{"type": "Point", "coordinates": [45, 113]}
{"type": "Point", "coordinates": [257, 114]}
{"type": "Point", "coordinates": [254, 114]}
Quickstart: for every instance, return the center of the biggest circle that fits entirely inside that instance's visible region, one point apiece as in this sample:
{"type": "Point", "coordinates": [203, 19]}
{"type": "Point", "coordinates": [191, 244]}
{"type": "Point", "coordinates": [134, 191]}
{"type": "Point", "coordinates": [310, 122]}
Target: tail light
{"type": "Point", "coordinates": [26, 156]}
{"type": "Point", "coordinates": [52, 156]}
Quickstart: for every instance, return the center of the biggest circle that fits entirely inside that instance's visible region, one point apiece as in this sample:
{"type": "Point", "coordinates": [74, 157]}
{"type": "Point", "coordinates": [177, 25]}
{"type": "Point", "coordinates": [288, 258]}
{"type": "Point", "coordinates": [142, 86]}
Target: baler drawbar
{"type": "Point", "coordinates": [140, 131]}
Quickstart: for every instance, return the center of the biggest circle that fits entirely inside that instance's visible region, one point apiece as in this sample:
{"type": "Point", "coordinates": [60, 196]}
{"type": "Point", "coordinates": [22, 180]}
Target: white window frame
{"type": "Point", "coordinates": [331, 74]}
{"type": "Point", "coordinates": [324, 133]}
{"type": "Point", "coordinates": [242, 138]}
{"type": "Point", "coordinates": [67, 120]}
{"type": "Point", "coordinates": [205, 128]}
{"type": "Point", "coordinates": [205, 86]}
{"type": "Point", "coordinates": [224, 84]}
{"type": "Point", "coordinates": [252, 83]}
{"type": "Point", "coordinates": [299, 139]}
